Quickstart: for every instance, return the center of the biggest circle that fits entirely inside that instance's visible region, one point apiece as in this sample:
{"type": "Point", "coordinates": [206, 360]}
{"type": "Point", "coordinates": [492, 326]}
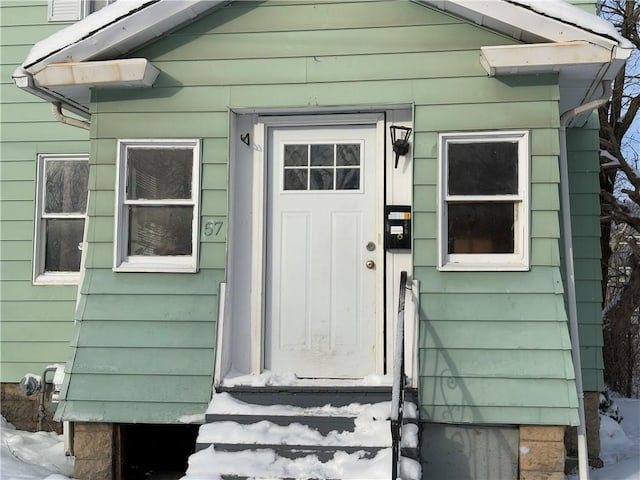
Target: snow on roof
{"type": "Point", "coordinates": [122, 9]}
{"type": "Point", "coordinates": [571, 14]}
{"type": "Point", "coordinates": [84, 28]}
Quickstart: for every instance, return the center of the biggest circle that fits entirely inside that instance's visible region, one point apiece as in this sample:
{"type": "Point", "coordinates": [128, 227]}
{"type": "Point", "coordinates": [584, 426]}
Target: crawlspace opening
{"type": "Point", "coordinates": [154, 452]}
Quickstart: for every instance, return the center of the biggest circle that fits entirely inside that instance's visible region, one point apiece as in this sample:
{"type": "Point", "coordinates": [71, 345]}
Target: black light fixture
{"type": "Point", "coordinates": [400, 144]}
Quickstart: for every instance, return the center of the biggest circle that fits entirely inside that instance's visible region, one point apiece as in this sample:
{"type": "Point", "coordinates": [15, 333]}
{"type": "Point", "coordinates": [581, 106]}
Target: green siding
{"type": "Point", "coordinates": [36, 320]}
{"type": "Point", "coordinates": [584, 165]}
{"type": "Point", "coordinates": [494, 347]}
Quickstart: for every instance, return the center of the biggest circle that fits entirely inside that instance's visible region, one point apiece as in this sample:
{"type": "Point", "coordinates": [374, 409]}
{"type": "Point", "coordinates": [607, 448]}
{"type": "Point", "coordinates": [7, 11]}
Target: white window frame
{"type": "Point", "coordinates": [519, 260]}
{"type": "Point", "coordinates": [40, 275]}
{"type": "Point", "coordinates": [139, 263]}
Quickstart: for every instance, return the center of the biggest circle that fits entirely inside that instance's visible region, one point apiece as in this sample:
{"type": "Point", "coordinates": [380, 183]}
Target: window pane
{"type": "Point", "coordinates": [159, 173]}
{"type": "Point", "coordinates": [160, 230]}
{"type": "Point", "coordinates": [66, 186]}
{"type": "Point", "coordinates": [321, 179]}
{"type": "Point", "coordinates": [347, 154]}
{"type": "Point", "coordinates": [296, 155]}
{"type": "Point", "coordinates": [481, 227]}
{"type": "Point", "coordinates": [295, 179]}
{"type": "Point", "coordinates": [321, 155]}
{"type": "Point", "coordinates": [62, 245]}
{"type": "Point", "coordinates": [347, 179]}
{"type": "Point", "coordinates": [487, 168]}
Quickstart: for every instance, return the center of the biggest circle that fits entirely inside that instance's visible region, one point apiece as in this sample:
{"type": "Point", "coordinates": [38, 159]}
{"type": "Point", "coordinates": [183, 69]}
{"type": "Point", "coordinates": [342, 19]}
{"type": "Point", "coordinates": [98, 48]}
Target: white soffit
{"type": "Point", "coordinates": [578, 56]}
{"type": "Point", "coordinates": [131, 72]}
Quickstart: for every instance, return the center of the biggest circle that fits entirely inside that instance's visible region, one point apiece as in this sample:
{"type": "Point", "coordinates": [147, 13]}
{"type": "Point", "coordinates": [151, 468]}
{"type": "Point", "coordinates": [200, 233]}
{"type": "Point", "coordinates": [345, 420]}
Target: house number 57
{"type": "Point", "coordinates": [213, 227]}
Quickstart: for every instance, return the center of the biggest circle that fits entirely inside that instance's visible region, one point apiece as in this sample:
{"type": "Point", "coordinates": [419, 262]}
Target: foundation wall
{"type": "Point", "coordinates": [541, 452]}
{"type": "Point", "coordinates": [22, 411]}
{"type": "Point", "coordinates": [93, 449]}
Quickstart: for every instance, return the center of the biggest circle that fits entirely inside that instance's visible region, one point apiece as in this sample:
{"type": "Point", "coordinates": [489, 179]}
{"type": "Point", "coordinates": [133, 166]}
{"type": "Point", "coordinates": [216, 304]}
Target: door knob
{"type": "Point", "coordinates": [370, 264]}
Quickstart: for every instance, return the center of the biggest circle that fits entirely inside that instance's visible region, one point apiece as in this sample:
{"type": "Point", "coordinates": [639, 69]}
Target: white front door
{"type": "Point", "coordinates": [324, 260]}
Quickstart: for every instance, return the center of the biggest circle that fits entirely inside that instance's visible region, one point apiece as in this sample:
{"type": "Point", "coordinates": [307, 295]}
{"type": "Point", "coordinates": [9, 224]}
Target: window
{"type": "Point", "coordinates": [157, 211]}
{"type": "Point", "coordinates": [72, 10]}
{"type": "Point", "coordinates": [484, 219]}
{"type": "Point", "coordinates": [61, 210]}
{"type": "Point", "coordinates": [322, 166]}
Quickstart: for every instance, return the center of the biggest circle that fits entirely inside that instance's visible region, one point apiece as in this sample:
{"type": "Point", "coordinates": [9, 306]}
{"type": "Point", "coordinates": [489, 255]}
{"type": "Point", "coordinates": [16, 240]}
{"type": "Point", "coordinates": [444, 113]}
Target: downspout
{"type": "Point", "coordinates": [583, 453]}
{"type": "Point", "coordinates": [61, 117]}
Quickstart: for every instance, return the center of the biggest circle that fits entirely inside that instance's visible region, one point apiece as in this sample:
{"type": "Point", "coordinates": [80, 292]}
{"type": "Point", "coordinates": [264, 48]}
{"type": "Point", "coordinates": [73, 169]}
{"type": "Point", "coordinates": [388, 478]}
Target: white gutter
{"type": "Point", "coordinates": [565, 118]}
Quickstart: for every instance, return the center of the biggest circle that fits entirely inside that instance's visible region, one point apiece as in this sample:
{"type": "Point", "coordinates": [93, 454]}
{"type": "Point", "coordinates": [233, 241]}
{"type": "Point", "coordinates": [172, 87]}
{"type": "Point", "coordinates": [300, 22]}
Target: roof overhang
{"type": "Point", "coordinates": [584, 50]}
{"type": "Point", "coordinates": [108, 34]}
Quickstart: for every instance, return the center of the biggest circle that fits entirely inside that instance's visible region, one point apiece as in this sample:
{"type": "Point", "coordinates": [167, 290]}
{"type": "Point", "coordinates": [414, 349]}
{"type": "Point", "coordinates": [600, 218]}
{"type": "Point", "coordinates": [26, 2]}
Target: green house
{"type": "Point", "coordinates": [158, 224]}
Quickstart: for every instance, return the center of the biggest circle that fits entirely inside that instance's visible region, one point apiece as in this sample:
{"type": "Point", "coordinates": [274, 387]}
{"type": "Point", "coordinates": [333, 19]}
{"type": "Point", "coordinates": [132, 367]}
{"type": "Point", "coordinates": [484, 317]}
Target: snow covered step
{"type": "Point", "coordinates": [301, 433]}
{"type": "Point", "coordinates": [323, 425]}
{"type": "Point", "coordinates": [211, 464]}
{"type": "Point", "coordinates": [304, 396]}
{"type": "Point", "coordinates": [321, 452]}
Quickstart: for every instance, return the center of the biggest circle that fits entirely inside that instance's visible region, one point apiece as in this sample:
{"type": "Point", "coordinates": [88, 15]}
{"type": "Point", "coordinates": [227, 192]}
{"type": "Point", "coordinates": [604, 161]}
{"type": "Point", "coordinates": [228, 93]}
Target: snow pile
{"type": "Point", "coordinates": [210, 464]}
{"type": "Point", "coordinates": [32, 456]}
{"type": "Point", "coordinates": [619, 444]}
{"type": "Point", "coordinates": [269, 378]}
{"type": "Point", "coordinates": [372, 430]}
{"type": "Point", "coordinates": [226, 404]}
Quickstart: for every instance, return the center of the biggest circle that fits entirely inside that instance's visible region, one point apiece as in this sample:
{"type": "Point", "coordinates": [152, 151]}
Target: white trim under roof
{"type": "Point", "coordinates": [125, 26]}
{"type": "Point", "coordinates": [541, 57]}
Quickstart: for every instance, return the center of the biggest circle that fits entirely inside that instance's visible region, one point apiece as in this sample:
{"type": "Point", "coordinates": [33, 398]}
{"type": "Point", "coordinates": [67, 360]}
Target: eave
{"type": "Point", "coordinates": [582, 49]}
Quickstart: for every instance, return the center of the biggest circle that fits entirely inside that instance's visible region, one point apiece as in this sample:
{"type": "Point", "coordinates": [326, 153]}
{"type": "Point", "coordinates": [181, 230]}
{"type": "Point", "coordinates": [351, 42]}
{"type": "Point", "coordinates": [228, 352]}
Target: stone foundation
{"type": "Point", "coordinates": [592, 417]}
{"type": "Point", "coordinates": [542, 452]}
{"type": "Point", "coordinates": [22, 411]}
{"type": "Point", "coordinates": [93, 449]}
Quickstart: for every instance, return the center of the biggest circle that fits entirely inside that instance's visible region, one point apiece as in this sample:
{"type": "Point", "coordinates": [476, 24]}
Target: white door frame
{"type": "Point", "coordinates": [259, 220]}
{"type": "Point", "coordinates": [240, 329]}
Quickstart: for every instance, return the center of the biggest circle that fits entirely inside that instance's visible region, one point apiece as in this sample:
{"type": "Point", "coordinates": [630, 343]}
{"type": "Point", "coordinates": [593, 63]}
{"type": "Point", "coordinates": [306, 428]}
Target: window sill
{"type": "Point", "coordinates": [483, 267]}
{"type": "Point", "coordinates": [57, 278]}
{"type": "Point", "coordinates": [157, 265]}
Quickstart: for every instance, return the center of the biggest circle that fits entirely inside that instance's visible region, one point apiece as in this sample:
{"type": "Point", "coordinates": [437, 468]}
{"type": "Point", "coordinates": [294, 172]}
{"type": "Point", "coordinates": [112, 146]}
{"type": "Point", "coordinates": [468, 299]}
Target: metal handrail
{"type": "Point", "coordinates": [399, 381]}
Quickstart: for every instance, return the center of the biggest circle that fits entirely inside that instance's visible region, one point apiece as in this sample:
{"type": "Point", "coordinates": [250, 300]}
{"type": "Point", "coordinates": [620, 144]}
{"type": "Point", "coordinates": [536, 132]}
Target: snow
{"type": "Point", "coordinates": [79, 30]}
{"type": "Point", "coordinates": [209, 464]}
{"type": "Point", "coordinates": [619, 444]}
{"type": "Point", "coordinates": [574, 15]}
{"type": "Point", "coordinates": [225, 404]}
{"type": "Point", "coordinates": [32, 456]}
{"type": "Point", "coordinates": [83, 29]}
{"type": "Point", "coordinates": [40, 456]}
{"type": "Point", "coordinates": [269, 378]}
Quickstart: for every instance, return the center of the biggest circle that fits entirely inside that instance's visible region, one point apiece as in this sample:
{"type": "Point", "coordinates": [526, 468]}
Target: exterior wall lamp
{"type": "Point", "coordinates": [400, 141]}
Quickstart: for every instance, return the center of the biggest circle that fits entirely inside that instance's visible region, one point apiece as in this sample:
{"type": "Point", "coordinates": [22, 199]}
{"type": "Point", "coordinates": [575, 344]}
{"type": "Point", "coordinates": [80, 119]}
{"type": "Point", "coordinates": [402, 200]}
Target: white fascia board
{"type": "Point", "coordinates": [521, 22]}
{"type": "Point", "coordinates": [541, 57]}
{"type": "Point", "coordinates": [131, 72]}
{"type": "Point", "coordinates": [101, 36]}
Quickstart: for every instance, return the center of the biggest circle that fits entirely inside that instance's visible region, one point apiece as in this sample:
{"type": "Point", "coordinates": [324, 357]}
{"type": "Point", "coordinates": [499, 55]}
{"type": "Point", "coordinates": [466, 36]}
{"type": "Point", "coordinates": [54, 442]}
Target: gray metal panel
{"type": "Point", "coordinates": [458, 452]}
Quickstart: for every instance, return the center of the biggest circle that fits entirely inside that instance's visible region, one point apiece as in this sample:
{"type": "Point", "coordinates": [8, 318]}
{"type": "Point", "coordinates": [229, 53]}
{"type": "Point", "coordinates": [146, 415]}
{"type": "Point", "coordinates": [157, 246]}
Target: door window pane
{"type": "Point", "coordinates": [321, 179]}
{"type": "Point", "coordinates": [321, 155]}
{"type": "Point", "coordinates": [296, 156]}
{"type": "Point", "coordinates": [347, 154]}
{"type": "Point", "coordinates": [295, 179]}
{"type": "Point", "coordinates": [348, 179]}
